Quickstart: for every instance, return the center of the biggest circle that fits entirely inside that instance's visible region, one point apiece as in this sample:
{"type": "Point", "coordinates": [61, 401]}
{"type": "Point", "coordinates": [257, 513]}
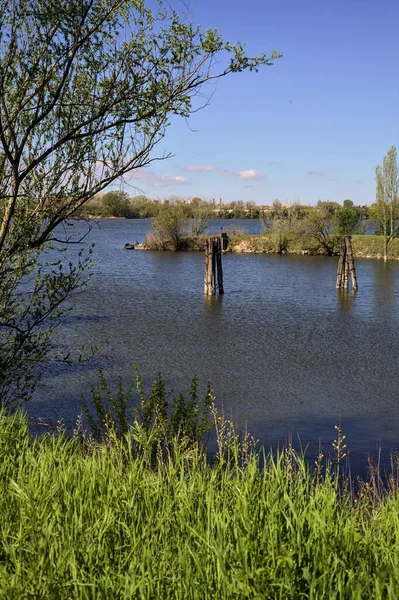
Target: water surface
{"type": "Point", "coordinates": [286, 353]}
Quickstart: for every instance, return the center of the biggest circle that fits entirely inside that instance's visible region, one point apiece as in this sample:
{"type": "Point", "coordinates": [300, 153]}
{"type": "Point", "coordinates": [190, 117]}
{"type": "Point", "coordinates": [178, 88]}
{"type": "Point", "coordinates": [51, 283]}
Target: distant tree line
{"type": "Point", "coordinates": [119, 204]}
{"type": "Point", "coordinates": [314, 228]}
{"type": "Point", "coordinates": [325, 223]}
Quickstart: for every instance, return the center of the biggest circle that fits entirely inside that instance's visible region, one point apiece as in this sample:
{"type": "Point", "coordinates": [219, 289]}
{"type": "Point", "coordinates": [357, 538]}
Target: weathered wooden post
{"type": "Point", "coordinates": [346, 265]}
{"type": "Point", "coordinates": [206, 267]}
{"type": "Point", "coordinates": [350, 260]}
{"type": "Point", "coordinates": [212, 269]}
{"type": "Point", "coordinates": [209, 278]}
{"type": "Point", "coordinates": [346, 274]}
{"type": "Point", "coordinates": [213, 263]}
{"type": "Point", "coordinates": [341, 264]}
{"type": "Point", "coordinates": [218, 247]}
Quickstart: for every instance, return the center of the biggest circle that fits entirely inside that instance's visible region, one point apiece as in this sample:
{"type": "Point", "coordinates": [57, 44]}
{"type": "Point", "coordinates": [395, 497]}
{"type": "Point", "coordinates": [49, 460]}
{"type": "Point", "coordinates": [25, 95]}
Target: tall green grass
{"type": "Point", "coordinates": [81, 519]}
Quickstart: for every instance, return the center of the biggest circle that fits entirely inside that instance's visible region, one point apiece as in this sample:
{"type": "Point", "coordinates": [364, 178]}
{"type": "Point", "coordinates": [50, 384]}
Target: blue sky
{"type": "Point", "coordinates": [313, 126]}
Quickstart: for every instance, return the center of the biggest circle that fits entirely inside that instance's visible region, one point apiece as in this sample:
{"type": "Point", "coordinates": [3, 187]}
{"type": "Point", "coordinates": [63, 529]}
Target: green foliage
{"type": "Point", "coordinates": [159, 419]}
{"type": "Point", "coordinates": [88, 89]}
{"type": "Point", "coordinates": [93, 207]}
{"type": "Point", "coordinates": [142, 207]}
{"type": "Point", "coordinates": [327, 206]}
{"type": "Point", "coordinates": [32, 300]}
{"type": "Point", "coordinates": [364, 246]}
{"type": "Point", "coordinates": [170, 227]}
{"type": "Point", "coordinates": [199, 220]}
{"type": "Point", "coordinates": [284, 225]}
{"type": "Point", "coordinates": [346, 221]}
{"type": "Point", "coordinates": [196, 202]}
{"type": "Point", "coordinates": [116, 204]}
{"type": "Point", "coordinates": [347, 203]}
{"type": "Point", "coordinates": [316, 228]}
{"type": "Point", "coordinates": [385, 211]}
{"type": "Point", "coordinates": [95, 521]}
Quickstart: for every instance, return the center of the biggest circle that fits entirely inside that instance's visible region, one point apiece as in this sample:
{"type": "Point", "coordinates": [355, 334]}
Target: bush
{"type": "Point", "coordinates": [170, 227]}
{"type": "Point", "coordinates": [199, 220]}
{"type": "Point", "coordinates": [153, 242]}
{"type": "Point", "coordinates": [156, 419]}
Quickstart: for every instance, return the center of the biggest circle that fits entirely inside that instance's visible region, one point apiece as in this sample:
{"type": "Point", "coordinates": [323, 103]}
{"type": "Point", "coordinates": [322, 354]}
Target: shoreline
{"type": "Point", "coordinates": [365, 246]}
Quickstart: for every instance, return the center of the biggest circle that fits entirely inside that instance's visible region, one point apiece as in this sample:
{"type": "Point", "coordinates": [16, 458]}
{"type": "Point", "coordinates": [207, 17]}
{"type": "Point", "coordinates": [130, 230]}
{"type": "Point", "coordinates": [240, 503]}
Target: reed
{"type": "Point", "coordinates": [94, 521]}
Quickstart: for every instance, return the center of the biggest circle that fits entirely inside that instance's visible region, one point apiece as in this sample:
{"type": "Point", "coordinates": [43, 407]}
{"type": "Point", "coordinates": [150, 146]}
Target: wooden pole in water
{"type": "Point", "coordinates": [213, 275]}
{"type": "Point", "coordinates": [350, 261]}
{"type": "Point", "coordinates": [346, 275]}
{"type": "Point", "coordinates": [213, 263]}
{"type": "Point", "coordinates": [346, 265]}
{"type": "Point", "coordinates": [210, 268]}
{"type": "Point", "coordinates": [206, 292]}
{"type": "Point", "coordinates": [218, 244]}
{"type": "Point", "coordinates": [341, 264]}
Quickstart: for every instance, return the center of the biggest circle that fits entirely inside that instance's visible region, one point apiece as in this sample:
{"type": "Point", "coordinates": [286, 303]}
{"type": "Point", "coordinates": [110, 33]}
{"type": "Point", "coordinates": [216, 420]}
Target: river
{"type": "Point", "coordinates": [286, 353]}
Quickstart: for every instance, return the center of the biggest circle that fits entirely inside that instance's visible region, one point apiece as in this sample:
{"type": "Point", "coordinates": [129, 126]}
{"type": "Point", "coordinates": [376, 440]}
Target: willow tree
{"type": "Point", "coordinates": [87, 90]}
{"type": "Point", "coordinates": [386, 208]}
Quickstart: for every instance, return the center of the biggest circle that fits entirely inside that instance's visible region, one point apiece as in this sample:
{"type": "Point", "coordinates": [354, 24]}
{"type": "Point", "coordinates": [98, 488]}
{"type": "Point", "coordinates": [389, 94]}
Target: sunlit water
{"type": "Point", "coordinates": [286, 353]}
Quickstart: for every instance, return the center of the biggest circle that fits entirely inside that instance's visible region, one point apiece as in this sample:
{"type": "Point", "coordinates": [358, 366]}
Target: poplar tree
{"type": "Point", "coordinates": [386, 206]}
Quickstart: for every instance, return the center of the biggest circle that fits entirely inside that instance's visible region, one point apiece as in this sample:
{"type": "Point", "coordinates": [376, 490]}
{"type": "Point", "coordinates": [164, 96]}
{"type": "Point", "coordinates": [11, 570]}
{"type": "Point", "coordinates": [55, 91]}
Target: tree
{"type": "Point", "coordinates": [317, 225]}
{"type": "Point", "coordinates": [347, 203]}
{"type": "Point", "coordinates": [199, 219]}
{"type": "Point", "coordinates": [116, 204]}
{"type": "Point", "coordinates": [197, 202]}
{"type": "Point", "coordinates": [142, 207]}
{"type": "Point", "coordinates": [284, 224]}
{"type": "Point", "coordinates": [328, 205]}
{"type": "Point", "coordinates": [346, 220]}
{"type": "Point", "coordinates": [277, 208]}
{"type": "Point", "coordinates": [385, 210]}
{"type": "Point", "coordinates": [170, 227]}
{"type": "Point", "coordinates": [87, 90]}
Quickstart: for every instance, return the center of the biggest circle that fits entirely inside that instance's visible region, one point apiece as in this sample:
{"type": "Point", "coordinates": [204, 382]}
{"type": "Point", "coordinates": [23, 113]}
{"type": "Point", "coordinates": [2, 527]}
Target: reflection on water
{"type": "Point", "coordinates": [346, 299]}
{"type": "Point", "coordinates": [284, 350]}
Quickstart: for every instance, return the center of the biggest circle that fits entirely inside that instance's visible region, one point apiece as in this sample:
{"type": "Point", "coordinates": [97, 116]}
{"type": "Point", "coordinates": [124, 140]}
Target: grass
{"type": "Point", "coordinates": [364, 246]}
{"type": "Point", "coordinates": [372, 246]}
{"type": "Point", "coordinates": [90, 520]}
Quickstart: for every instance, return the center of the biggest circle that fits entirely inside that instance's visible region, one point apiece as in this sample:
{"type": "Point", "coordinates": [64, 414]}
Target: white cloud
{"type": "Point", "coordinates": [155, 180]}
{"type": "Point", "coordinates": [199, 168]}
{"type": "Point", "coordinates": [251, 174]}
{"type": "Point", "coordinates": [248, 174]}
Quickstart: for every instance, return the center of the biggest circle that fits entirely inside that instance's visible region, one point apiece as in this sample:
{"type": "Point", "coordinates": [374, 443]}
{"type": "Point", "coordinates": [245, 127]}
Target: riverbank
{"type": "Point", "coordinates": [364, 246]}
{"type": "Point", "coordinates": [87, 520]}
